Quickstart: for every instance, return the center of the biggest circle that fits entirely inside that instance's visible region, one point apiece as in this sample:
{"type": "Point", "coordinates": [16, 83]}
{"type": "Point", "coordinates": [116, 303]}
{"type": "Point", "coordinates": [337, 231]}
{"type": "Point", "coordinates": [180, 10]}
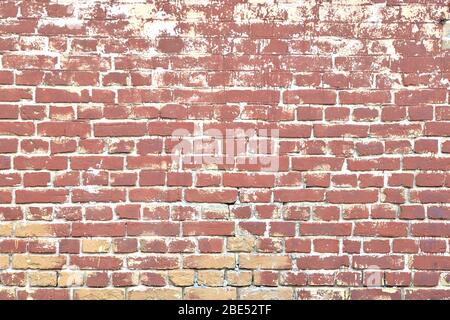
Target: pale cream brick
{"type": "Point", "coordinates": [99, 294]}
{"type": "Point", "coordinates": [6, 229]}
{"type": "Point", "coordinates": [239, 278]}
{"type": "Point", "coordinates": [182, 278]}
{"type": "Point", "coordinates": [27, 230]}
{"type": "Point", "coordinates": [96, 245]}
{"type": "Point", "coordinates": [24, 261]}
{"type": "Point", "coordinates": [266, 294]}
{"type": "Point", "coordinates": [42, 279]}
{"type": "Point", "coordinates": [4, 261]}
{"type": "Point", "coordinates": [71, 279]}
{"type": "Point", "coordinates": [155, 294]}
{"type": "Point", "coordinates": [209, 261]}
{"type": "Point", "coordinates": [240, 244]}
{"type": "Point", "coordinates": [250, 261]}
{"type": "Point", "coordinates": [211, 278]}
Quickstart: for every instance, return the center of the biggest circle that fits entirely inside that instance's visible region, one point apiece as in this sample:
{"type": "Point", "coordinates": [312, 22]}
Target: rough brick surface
{"type": "Point", "coordinates": [96, 203]}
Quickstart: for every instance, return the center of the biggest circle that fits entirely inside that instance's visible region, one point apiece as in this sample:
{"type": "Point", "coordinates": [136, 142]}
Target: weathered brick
{"type": "Point", "coordinates": [182, 278]}
{"type": "Point", "coordinates": [266, 294]}
{"type": "Point", "coordinates": [247, 261]}
{"type": "Point", "coordinates": [155, 294]}
{"type": "Point", "coordinates": [43, 279]}
{"type": "Point", "coordinates": [99, 294]}
{"type": "Point", "coordinates": [120, 179]}
{"type": "Point", "coordinates": [95, 246]}
{"type": "Point", "coordinates": [240, 244]}
{"type": "Point", "coordinates": [210, 278]}
{"type": "Point", "coordinates": [38, 262]}
{"type": "Point", "coordinates": [208, 261]}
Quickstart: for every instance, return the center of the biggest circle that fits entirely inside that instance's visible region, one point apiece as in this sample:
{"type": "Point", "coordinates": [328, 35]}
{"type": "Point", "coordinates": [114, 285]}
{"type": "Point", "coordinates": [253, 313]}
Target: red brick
{"type": "Point", "coordinates": [352, 200]}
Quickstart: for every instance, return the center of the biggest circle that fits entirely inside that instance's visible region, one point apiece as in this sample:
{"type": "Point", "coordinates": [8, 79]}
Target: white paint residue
{"type": "Point", "coordinates": [155, 29]}
{"type": "Point", "coordinates": [91, 189]}
{"type": "Point", "coordinates": [375, 13]}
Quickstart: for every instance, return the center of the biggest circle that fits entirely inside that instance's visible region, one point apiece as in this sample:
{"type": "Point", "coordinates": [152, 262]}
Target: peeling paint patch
{"type": "Point", "coordinates": [446, 36]}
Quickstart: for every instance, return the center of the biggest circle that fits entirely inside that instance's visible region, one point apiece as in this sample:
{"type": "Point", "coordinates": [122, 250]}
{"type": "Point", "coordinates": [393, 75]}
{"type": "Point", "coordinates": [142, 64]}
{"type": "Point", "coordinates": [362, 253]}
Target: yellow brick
{"type": "Point", "coordinates": [42, 279]}
{"type": "Point", "coordinates": [240, 244]}
{"type": "Point", "coordinates": [250, 261]}
{"type": "Point", "coordinates": [23, 261]}
{"type": "Point", "coordinates": [4, 262]}
{"type": "Point", "coordinates": [182, 278]}
{"type": "Point", "coordinates": [96, 246]}
{"type": "Point", "coordinates": [209, 261]}
{"type": "Point", "coordinates": [266, 294]}
{"type": "Point", "coordinates": [5, 229]}
{"type": "Point", "coordinates": [155, 294]}
{"type": "Point", "coordinates": [26, 230]}
{"type": "Point", "coordinates": [239, 279]}
{"type": "Point", "coordinates": [99, 294]}
{"type": "Point", "coordinates": [211, 278]}
{"type": "Point", "coordinates": [210, 293]}
{"type": "Point", "coordinates": [70, 279]}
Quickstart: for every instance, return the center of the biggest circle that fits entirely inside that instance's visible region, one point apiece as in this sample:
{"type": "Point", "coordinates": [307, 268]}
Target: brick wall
{"type": "Point", "coordinates": [98, 200]}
